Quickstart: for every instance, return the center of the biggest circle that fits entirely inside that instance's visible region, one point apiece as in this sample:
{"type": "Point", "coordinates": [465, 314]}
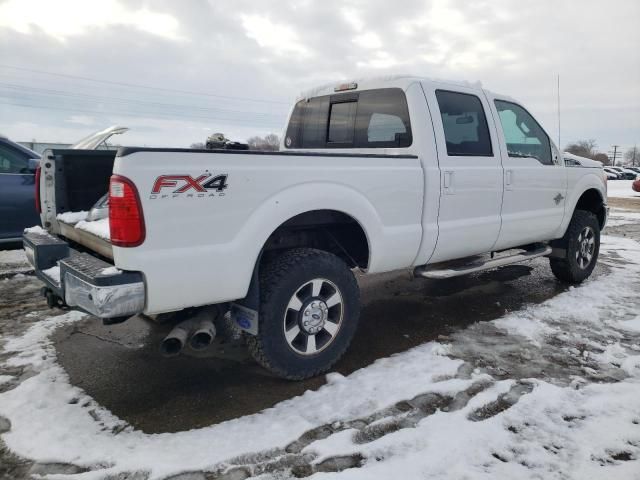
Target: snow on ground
{"type": "Point", "coordinates": [619, 217]}
{"type": "Point", "coordinates": [550, 391]}
{"type": "Point", "coordinates": [621, 189]}
{"type": "Point", "coordinates": [13, 261]}
{"type": "Point", "coordinates": [72, 217]}
{"type": "Point", "coordinates": [12, 257]}
{"type": "Point", "coordinates": [97, 227]}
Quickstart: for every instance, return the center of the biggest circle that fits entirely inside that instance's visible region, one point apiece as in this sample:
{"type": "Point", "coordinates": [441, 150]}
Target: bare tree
{"type": "Point", "coordinates": [602, 158]}
{"type": "Point", "coordinates": [632, 156]}
{"type": "Point", "coordinates": [197, 146]}
{"type": "Point", "coordinates": [583, 148]}
{"type": "Point", "coordinates": [270, 142]}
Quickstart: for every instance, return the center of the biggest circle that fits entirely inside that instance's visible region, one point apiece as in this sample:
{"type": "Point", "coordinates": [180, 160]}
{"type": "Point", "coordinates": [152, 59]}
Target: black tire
{"type": "Point", "coordinates": [297, 273]}
{"type": "Point", "coordinates": [574, 267]}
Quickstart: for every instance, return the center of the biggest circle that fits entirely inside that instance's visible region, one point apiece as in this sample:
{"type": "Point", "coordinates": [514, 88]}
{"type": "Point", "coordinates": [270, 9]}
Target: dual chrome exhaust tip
{"type": "Point", "coordinates": [197, 331]}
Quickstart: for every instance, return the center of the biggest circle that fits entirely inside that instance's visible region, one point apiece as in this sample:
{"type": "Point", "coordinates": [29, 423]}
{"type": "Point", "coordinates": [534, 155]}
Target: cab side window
{"type": "Point", "coordinates": [465, 124]}
{"type": "Point", "coordinates": [524, 136]}
{"type": "Point", "coordinates": [12, 161]}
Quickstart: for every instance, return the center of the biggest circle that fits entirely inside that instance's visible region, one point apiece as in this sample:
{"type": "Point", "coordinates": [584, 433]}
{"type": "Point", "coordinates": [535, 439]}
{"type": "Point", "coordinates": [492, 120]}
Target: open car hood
{"type": "Point", "coordinates": [93, 141]}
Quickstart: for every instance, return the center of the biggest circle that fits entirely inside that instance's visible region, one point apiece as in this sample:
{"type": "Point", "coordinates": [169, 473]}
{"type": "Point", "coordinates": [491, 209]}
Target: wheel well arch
{"type": "Point", "coordinates": [592, 201]}
{"type": "Point", "coordinates": [329, 230]}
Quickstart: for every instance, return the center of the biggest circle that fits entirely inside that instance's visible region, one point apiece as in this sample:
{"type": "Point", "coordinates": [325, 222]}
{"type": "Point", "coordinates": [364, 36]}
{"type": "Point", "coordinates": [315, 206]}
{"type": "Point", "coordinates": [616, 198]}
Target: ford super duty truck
{"type": "Point", "coordinates": [441, 178]}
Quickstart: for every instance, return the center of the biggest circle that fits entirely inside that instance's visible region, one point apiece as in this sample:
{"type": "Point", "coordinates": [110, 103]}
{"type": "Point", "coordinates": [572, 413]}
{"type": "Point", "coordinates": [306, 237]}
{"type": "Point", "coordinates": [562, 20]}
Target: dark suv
{"type": "Point", "coordinates": [17, 190]}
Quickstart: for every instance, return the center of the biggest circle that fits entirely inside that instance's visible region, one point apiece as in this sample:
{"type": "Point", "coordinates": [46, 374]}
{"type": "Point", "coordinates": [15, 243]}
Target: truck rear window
{"type": "Point", "coordinates": [368, 119]}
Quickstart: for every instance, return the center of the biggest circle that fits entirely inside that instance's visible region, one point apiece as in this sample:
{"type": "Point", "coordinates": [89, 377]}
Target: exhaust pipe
{"type": "Point", "coordinates": [203, 334]}
{"type": "Point", "coordinates": [176, 340]}
{"type": "Point", "coordinates": [198, 330]}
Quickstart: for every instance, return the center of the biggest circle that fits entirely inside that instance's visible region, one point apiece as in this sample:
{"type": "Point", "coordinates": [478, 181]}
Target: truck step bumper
{"type": "Point", "coordinates": [85, 282]}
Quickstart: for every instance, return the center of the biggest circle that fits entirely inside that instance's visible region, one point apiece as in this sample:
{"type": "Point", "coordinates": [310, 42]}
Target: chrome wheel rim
{"type": "Point", "coordinates": [586, 247]}
{"type": "Point", "coordinates": [313, 317]}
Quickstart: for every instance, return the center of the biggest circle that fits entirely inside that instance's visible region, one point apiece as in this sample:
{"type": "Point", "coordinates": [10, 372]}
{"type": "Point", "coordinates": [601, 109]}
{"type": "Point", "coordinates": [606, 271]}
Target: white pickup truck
{"type": "Point", "coordinates": [384, 174]}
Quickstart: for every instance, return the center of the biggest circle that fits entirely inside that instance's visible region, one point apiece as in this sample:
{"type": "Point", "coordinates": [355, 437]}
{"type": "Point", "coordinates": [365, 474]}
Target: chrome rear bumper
{"type": "Point", "coordinates": [83, 281]}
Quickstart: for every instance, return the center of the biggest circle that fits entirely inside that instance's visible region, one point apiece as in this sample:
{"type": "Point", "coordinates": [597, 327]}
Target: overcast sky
{"type": "Point", "coordinates": [177, 71]}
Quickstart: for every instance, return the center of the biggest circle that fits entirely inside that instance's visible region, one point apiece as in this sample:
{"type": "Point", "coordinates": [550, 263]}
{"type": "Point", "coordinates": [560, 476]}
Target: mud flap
{"type": "Point", "coordinates": [244, 313]}
{"type": "Point", "coordinates": [246, 318]}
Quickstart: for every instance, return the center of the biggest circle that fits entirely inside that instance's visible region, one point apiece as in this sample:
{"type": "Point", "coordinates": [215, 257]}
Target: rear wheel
{"type": "Point", "coordinates": [581, 243]}
{"type": "Point", "coordinates": [309, 309]}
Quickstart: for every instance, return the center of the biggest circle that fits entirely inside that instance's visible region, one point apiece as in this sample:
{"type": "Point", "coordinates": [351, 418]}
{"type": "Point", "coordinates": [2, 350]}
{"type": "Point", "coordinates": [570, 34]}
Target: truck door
{"type": "Point", "coordinates": [470, 172]}
{"type": "Point", "coordinates": [535, 180]}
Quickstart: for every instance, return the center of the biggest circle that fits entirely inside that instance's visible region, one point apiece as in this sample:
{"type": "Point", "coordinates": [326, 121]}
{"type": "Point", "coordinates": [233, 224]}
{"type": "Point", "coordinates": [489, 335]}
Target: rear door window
{"type": "Point", "coordinates": [368, 119]}
{"type": "Point", "coordinates": [465, 124]}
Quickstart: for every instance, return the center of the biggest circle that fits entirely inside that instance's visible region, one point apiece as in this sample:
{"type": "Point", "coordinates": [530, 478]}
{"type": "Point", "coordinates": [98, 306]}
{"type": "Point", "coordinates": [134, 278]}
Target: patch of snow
{"type": "Point", "coordinates": [12, 261]}
{"type": "Point", "coordinates": [99, 228]}
{"type": "Point", "coordinates": [620, 217]}
{"type": "Point", "coordinates": [632, 325]}
{"type": "Point", "coordinates": [35, 229]}
{"type": "Point", "coordinates": [110, 271]}
{"type": "Point", "coordinates": [53, 273]}
{"type": "Point", "coordinates": [12, 256]}
{"type": "Point", "coordinates": [72, 217]}
{"type": "Point", "coordinates": [621, 189]}
{"type": "Point", "coordinates": [5, 378]}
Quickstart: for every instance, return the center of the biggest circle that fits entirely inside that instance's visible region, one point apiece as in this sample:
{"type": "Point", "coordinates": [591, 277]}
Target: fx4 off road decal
{"type": "Point", "coordinates": [178, 186]}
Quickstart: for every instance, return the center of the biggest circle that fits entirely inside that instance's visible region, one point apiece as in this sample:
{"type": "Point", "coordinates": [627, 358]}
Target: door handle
{"type": "Point", "coordinates": [508, 179]}
{"type": "Point", "coordinates": [447, 182]}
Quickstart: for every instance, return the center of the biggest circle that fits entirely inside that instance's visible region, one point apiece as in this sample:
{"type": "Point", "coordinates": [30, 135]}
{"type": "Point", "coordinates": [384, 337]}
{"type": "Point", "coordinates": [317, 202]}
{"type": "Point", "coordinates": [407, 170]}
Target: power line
{"type": "Point", "coordinates": [63, 95]}
{"type": "Point", "coordinates": [147, 114]}
{"type": "Point", "coordinates": [134, 85]}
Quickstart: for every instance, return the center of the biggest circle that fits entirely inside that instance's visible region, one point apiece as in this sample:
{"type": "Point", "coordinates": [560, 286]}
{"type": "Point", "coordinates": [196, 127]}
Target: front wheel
{"type": "Point", "coordinates": [581, 243]}
{"type": "Point", "coordinates": [309, 309]}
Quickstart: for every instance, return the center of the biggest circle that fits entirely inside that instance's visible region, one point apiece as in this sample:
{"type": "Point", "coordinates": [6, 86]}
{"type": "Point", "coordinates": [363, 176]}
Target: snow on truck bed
{"type": "Point", "coordinates": [99, 228]}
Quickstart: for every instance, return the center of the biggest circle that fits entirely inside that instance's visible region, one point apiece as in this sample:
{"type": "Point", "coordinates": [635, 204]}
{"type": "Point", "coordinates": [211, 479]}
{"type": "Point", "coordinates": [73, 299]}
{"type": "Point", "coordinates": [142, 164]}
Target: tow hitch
{"type": "Point", "coordinates": [53, 299]}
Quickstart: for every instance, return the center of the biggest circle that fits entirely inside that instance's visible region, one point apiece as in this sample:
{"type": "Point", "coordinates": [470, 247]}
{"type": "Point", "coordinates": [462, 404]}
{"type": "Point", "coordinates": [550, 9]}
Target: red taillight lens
{"type": "Point", "coordinates": [126, 222]}
{"type": "Point", "coordinates": [37, 195]}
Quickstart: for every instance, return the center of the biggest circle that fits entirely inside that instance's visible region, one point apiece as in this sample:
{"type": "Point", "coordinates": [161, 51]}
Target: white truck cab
{"type": "Point", "coordinates": [444, 178]}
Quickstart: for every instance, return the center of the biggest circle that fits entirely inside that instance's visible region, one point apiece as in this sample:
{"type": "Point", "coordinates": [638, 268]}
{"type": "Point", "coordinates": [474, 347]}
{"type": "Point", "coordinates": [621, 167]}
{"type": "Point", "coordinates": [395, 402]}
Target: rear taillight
{"type": "Point", "coordinates": [126, 222]}
{"type": "Point", "coordinates": [37, 195]}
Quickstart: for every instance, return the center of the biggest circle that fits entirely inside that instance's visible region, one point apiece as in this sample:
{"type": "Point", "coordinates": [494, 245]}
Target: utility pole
{"type": "Point", "coordinates": [613, 156]}
{"type": "Point", "coordinates": [635, 152]}
{"type": "Point", "coordinates": [559, 144]}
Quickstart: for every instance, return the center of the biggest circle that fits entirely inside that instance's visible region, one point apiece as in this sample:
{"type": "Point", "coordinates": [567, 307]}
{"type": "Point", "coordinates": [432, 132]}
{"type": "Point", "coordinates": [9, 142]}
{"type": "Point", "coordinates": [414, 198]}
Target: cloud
{"type": "Point", "coordinates": [273, 37]}
{"type": "Point", "coordinates": [81, 120]}
{"type": "Point", "coordinates": [67, 18]}
{"type": "Point", "coordinates": [273, 50]}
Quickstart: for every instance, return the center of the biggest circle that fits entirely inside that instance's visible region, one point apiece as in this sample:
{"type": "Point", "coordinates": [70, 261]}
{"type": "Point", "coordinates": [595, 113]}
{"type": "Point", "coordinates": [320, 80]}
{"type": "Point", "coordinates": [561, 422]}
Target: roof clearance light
{"type": "Point", "coordinates": [346, 86]}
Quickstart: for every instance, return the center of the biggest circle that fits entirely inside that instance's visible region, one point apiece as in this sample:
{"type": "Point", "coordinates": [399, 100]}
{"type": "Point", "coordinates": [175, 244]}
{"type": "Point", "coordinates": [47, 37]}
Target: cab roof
{"type": "Point", "coordinates": [389, 81]}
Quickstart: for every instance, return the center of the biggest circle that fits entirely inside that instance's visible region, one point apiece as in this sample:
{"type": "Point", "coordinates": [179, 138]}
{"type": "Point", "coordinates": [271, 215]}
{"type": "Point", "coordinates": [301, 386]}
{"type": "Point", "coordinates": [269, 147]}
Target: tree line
{"type": "Point", "coordinates": [589, 149]}
{"type": "Point", "coordinates": [270, 142]}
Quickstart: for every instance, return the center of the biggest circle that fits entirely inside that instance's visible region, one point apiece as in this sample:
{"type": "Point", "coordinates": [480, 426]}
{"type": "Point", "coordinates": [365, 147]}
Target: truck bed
{"type": "Point", "coordinates": [86, 239]}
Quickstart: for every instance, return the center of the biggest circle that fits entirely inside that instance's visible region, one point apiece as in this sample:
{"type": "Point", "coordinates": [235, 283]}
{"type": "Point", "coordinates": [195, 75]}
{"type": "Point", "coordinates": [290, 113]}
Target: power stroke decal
{"type": "Point", "coordinates": [185, 186]}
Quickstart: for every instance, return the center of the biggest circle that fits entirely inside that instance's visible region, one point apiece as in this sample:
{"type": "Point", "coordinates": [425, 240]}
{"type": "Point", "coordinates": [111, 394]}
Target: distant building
{"type": "Point", "coordinates": [40, 147]}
